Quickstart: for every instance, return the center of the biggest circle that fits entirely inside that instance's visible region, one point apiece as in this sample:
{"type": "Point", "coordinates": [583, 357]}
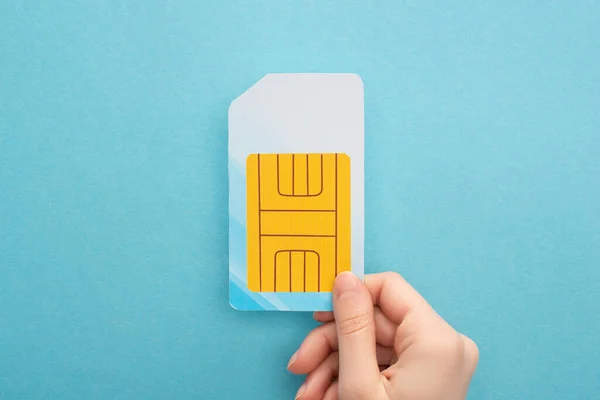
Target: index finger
{"type": "Point", "coordinates": [396, 297]}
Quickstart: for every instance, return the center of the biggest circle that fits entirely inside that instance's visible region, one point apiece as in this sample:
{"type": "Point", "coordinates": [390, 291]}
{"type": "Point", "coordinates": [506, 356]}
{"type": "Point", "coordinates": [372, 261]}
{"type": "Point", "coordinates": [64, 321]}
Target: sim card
{"type": "Point", "coordinates": [296, 190]}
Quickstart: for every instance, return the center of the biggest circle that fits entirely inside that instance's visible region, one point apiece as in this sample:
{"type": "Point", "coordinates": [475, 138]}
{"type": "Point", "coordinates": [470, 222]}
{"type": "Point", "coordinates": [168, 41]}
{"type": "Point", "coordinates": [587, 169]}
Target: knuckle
{"type": "Point", "coordinates": [456, 349]}
{"type": "Point", "coordinates": [471, 351]}
{"type": "Point", "coordinates": [453, 349]}
{"type": "Point", "coordinates": [354, 323]}
{"type": "Point", "coordinates": [449, 347]}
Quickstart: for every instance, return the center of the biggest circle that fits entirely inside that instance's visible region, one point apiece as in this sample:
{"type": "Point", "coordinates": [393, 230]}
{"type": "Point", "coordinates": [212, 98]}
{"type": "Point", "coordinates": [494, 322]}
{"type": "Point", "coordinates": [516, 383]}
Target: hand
{"type": "Point", "coordinates": [398, 350]}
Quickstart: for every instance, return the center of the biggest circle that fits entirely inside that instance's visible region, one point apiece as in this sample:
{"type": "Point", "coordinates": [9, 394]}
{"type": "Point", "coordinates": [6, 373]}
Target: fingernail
{"type": "Point", "coordinates": [344, 283]}
{"type": "Point", "coordinates": [300, 391]}
{"type": "Point", "coordinates": [293, 359]}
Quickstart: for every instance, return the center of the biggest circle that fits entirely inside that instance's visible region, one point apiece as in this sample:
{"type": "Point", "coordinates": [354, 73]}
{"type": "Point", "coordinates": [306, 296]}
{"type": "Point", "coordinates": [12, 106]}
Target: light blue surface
{"type": "Point", "coordinates": [482, 187]}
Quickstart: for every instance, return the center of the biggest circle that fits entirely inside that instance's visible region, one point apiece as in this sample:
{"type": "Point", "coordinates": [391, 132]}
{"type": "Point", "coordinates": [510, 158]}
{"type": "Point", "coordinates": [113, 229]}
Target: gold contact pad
{"type": "Point", "coordinates": [298, 221]}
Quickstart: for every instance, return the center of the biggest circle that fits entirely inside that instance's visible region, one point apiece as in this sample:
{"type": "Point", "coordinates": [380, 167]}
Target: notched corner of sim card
{"type": "Point", "coordinates": [247, 93]}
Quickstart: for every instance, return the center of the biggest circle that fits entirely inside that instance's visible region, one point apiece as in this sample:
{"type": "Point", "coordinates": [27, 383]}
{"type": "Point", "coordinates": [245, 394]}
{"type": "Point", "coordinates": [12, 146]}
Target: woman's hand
{"type": "Point", "coordinates": [383, 341]}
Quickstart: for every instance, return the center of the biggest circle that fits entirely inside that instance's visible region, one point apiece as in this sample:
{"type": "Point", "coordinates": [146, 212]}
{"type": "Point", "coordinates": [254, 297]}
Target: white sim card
{"type": "Point", "coordinates": [296, 190]}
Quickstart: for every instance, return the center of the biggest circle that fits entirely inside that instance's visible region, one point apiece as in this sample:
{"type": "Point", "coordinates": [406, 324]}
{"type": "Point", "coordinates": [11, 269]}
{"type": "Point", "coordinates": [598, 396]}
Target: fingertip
{"type": "Point", "coordinates": [299, 364]}
{"type": "Point", "coordinates": [320, 378]}
{"type": "Point", "coordinates": [350, 294]}
{"type": "Point", "coordinates": [323, 316]}
{"type": "Point", "coordinates": [301, 391]}
{"type": "Point", "coordinates": [292, 360]}
{"type": "Point", "coordinates": [315, 348]}
{"type": "Point", "coordinates": [345, 282]}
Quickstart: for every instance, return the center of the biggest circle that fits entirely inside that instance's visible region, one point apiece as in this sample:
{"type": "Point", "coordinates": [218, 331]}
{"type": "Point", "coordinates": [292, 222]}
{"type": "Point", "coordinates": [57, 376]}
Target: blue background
{"type": "Point", "coordinates": [482, 180]}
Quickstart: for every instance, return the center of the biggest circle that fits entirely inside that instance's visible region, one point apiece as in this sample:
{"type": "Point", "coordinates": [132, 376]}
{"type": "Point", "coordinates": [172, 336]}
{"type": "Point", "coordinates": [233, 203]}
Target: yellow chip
{"type": "Point", "coordinates": [298, 221]}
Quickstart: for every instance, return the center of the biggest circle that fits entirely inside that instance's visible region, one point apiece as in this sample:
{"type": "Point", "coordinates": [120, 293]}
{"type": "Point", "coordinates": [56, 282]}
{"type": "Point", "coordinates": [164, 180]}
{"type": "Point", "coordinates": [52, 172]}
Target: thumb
{"type": "Point", "coordinates": [353, 311]}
